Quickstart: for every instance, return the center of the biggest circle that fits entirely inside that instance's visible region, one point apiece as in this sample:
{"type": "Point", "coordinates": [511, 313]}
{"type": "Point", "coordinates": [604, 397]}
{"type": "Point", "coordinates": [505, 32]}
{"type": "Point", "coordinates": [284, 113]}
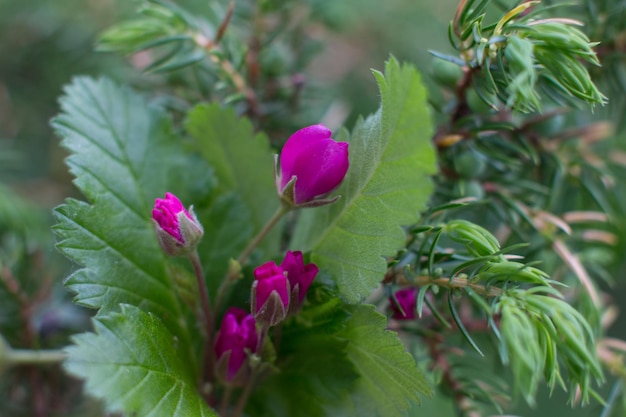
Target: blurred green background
{"type": "Point", "coordinates": [44, 43]}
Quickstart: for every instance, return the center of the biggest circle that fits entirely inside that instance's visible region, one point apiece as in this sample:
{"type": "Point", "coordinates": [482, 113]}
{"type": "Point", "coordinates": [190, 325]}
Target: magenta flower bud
{"type": "Point", "coordinates": [236, 341]}
{"type": "Point", "coordinates": [312, 164]}
{"type": "Point", "coordinates": [300, 277]}
{"type": "Point", "coordinates": [177, 229]}
{"type": "Point", "coordinates": [270, 294]}
{"type": "Point", "coordinates": [406, 307]}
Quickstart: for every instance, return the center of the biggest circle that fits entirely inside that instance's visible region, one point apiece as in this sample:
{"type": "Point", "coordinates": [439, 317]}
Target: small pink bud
{"type": "Point", "coordinates": [270, 294]}
{"type": "Point", "coordinates": [300, 277]}
{"type": "Point", "coordinates": [236, 340]}
{"type": "Point", "coordinates": [406, 306]}
{"type": "Point", "coordinates": [177, 229]}
{"type": "Point", "coordinates": [312, 164]}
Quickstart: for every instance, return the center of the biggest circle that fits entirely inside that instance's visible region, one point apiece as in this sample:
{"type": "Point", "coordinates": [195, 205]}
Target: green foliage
{"type": "Point", "coordinates": [559, 49]}
{"type": "Point", "coordinates": [476, 239]}
{"type": "Point", "coordinates": [336, 358]}
{"type": "Point", "coordinates": [390, 381]}
{"type": "Point", "coordinates": [391, 160]}
{"type": "Point", "coordinates": [315, 370]}
{"type": "Point", "coordinates": [233, 53]}
{"type": "Point", "coordinates": [521, 88]}
{"type": "Point", "coordinates": [227, 229]}
{"type": "Point", "coordinates": [162, 25]}
{"type": "Point", "coordinates": [541, 333]}
{"type": "Point", "coordinates": [242, 161]}
{"type": "Point", "coordinates": [133, 363]}
{"type": "Point", "coordinates": [123, 155]}
{"type": "Point", "coordinates": [522, 228]}
{"type": "Point", "coordinates": [522, 57]}
{"type": "Point", "coordinates": [18, 216]}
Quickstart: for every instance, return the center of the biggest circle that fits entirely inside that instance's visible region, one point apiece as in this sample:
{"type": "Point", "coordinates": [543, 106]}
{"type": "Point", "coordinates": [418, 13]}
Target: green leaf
{"type": "Point", "coordinates": [132, 362]}
{"type": "Point", "coordinates": [227, 230]}
{"type": "Point", "coordinates": [315, 371]}
{"type": "Point", "coordinates": [388, 183]}
{"type": "Point", "coordinates": [123, 155]}
{"type": "Point", "coordinates": [243, 162]}
{"type": "Point", "coordinates": [390, 381]}
{"type": "Point", "coordinates": [546, 336]}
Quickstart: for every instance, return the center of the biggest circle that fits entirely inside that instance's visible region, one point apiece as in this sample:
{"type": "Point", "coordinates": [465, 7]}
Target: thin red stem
{"type": "Point", "coordinates": [208, 360]}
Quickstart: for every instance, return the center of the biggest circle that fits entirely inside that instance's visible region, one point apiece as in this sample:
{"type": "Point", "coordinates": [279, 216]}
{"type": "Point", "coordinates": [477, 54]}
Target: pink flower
{"type": "Point", "coordinates": [406, 307]}
{"type": "Point", "coordinates": [312, 164]}
{"type": "Point", "coordinates": [177, 229]}
{"type": "Point", "coordinates": [270, 294]}
{"type": "Point", "coordinates": [236, 340]}
{"type": "Point", "coordinates": [300, 277]}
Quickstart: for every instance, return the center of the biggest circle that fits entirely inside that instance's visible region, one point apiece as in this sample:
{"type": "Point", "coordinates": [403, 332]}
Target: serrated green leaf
{"type": "Point", "coordinates": [388, 183]}
{"type": "Point", "coordinates": [123, 156]}
{"type": "Point", "coordinates": [132, 362]}
{"type": "Point", "coordinates": [315, 371]}
{"type": "Point", "coordinates": [242, 160]}
{"type": "Point", "coordinates": [227, 230]}
{"type": "Point", "coordinates": [390, 381]}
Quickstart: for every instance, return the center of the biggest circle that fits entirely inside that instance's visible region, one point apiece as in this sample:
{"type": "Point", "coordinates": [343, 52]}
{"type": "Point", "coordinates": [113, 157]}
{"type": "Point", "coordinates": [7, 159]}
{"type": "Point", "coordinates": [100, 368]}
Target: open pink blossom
{"type": "Point", "coordinates": [315, 161]}
{"type": "Point", "coordinates": [236, 340]}
{"type": "Point", "coordinates": [270, 294]}
{"type": "Point", "coordinates": [178, 230]}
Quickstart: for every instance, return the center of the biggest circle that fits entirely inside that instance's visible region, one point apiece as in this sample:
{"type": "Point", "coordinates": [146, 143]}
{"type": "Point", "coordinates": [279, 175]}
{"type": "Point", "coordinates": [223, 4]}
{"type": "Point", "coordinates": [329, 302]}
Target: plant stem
{"type": "Point", "coordinates": [231, 276]}
{"type": "Point", "coordinates": [256, 373]}
{"type": "Point", "coordinates": [280, 212]}
{"type": "Point", "coordinates": [225, 400]}
{"type": "Point", "coordinates": [450, 283]}
{"type": "Point", "coordinates": [204, 294]}
{"type": "Point", "coordinates": [261, 341]}
{"type": "Point", "coordinates": [243, 399]}
{"type": "Point", "coordinates": [208, 355]}
{"type": "Point", "coordinates": [34, 357]}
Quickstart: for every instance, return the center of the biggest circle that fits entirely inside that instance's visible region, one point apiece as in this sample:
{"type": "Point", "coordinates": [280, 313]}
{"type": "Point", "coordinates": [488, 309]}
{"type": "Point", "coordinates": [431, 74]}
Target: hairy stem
{"type": "Point", "coordinates": [34, 357]}
{"type": "Point", "coordinates": [232, 274]}
{"type": "Point", "coordinates": [445, 282]}
{"type": "Point", "coordinates": [243, 399]}
{"type": "Point", "coordinates": [239, 82]}
{"type": "Point", "coordinates": [225, 402]}
{"type": "Point", "coordinates": [278, 214]}
{"type": "Point", "coordinates": [208, 354]}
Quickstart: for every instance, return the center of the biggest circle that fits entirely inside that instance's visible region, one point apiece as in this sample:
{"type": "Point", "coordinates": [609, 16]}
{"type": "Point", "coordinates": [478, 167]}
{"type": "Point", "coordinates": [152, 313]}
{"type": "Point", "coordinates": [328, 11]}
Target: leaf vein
{"type": "Point", "coordinates": [118, 140]}
{"type": "Point", "coordinates": [115, 250]}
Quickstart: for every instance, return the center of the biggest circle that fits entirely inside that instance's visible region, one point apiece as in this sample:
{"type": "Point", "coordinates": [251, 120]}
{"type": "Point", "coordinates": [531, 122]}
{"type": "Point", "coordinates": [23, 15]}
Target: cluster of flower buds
{"type": "Point", "coordinates": [312, 165]}
{"type": "Point", "coordinates": [278, 291]}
